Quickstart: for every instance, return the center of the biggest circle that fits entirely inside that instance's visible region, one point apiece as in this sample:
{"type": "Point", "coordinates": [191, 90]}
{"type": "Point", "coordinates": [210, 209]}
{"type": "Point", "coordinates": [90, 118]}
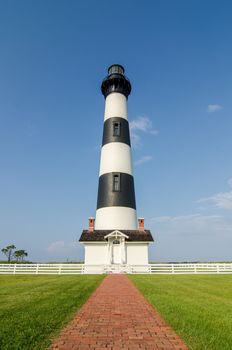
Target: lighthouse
{"type": "Point", "coordinates": [116, 236]}
{"type": "Point", "coordinates": [116, 208]}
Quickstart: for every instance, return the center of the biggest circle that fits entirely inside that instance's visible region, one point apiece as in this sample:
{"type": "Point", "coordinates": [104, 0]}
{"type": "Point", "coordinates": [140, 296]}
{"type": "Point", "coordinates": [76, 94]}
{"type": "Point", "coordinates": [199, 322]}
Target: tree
{"type": "Point", "coordinates": [20, 254]}
{"type": "Point", "coordinates": [17, 255]}
{"type": "Point", "coordinates": [8, 251]}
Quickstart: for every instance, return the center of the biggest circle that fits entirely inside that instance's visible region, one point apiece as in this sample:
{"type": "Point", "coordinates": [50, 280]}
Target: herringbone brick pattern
{"type": "Point", "coordinates": [117, 317]}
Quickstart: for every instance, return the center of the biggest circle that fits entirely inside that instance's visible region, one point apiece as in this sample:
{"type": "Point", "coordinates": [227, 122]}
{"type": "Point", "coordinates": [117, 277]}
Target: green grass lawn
{"type": "Point", "coordinates": [34, 308]}
{"type": "Point", "coordinates": [199, 307]}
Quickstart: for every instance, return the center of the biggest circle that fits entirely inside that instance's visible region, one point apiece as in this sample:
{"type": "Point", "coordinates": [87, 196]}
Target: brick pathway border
{"type": "Point", "coordinates": [117, 317]}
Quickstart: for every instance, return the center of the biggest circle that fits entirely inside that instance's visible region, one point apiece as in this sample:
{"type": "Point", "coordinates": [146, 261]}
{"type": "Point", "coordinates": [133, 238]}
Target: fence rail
{"type": "Point", "coordinates": [78, 269]}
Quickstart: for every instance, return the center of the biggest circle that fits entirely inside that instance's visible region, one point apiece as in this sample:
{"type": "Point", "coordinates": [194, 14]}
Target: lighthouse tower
{"type": "Point", "coordinates": [116, 208]}
{"type": "Point", "coordinates": [116, 236]}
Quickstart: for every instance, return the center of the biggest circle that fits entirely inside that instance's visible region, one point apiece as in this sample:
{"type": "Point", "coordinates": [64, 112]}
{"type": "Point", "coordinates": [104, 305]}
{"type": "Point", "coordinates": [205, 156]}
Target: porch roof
{"type": "Point", "coordinates": [133, 235]}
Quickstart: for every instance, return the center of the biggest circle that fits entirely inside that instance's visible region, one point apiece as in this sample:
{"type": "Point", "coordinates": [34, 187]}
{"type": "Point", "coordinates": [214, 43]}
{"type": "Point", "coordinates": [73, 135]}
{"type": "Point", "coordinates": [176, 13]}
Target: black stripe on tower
{"type": "Point", "coordinates": [116, 130]}
{"type": "Point", "coordinates": [116, 189]}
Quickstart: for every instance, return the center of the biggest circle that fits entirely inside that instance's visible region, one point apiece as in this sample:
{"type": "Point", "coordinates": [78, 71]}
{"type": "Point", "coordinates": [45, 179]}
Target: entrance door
{"type": "Point", "coordinates": [116, 252]}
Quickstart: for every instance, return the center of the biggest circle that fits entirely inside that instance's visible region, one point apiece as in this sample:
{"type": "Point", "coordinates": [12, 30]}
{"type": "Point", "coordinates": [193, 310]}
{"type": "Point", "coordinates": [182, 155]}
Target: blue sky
{"type": "Point", "coordinates": [53, 57]}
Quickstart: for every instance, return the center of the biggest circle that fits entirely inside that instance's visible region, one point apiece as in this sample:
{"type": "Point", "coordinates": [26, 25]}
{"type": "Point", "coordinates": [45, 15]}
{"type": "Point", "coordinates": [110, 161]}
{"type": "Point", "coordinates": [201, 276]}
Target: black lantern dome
{"type": "Point", "coordinates": [116, 81]}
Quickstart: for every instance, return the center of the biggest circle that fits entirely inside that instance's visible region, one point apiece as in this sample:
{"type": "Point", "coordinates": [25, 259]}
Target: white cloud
{"type": "Point", "coordinates": [141, 124]}
{"type": "Point", "coordinates": [193, 237]}
{"type": "Point", "coordinates": [56, 246]}
{"type": "Point", "coordinates": [60, 246]}
{"type": "Point", "coordinates": [143, 159]}
{"type": "Point", "coordinates": [185, 218]}
{"type": "Point", "coordinates": [213, 108]}
{"type": "Point", "coordinates": [194, 224]}
{"type": "Point", "coordinates": [222, 200]}
{"type": "Point", "coordinates": [63, 251]}
{"type": "Point", "coordinates": [135, 139]}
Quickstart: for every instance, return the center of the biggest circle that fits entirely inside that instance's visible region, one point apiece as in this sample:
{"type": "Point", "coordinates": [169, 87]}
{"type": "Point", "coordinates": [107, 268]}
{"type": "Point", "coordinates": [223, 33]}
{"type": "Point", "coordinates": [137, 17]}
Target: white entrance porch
{"type": "Point", "coordinates": [116, 250]}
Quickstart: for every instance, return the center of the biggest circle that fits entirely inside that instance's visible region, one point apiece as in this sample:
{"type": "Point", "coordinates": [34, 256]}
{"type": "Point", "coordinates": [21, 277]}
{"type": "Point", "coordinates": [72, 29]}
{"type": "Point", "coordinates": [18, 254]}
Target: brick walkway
{"type": "Point", "coordinates": [117, 317]}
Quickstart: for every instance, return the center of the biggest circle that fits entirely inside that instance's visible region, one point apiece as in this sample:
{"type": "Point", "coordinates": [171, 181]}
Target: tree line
{"type": "Point", "coordinates": [11, 253]}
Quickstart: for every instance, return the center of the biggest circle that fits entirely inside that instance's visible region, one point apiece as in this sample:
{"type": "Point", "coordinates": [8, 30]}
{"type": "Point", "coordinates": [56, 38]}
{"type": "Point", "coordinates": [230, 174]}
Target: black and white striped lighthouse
{"type": "Point", "coordinates": [116, 207]}
{"type": "Point", "coordinates": [116, 237]}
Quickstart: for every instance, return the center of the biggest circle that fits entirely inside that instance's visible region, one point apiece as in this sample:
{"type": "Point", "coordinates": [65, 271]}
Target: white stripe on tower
{"type": "Point", "coordinates": [116, 218]}
{"type": "Point", "coordinates": [116, 208]}
{"type": "Point", "coordinates": [115, 157]}
{"type": "Point", "coordinates": [115, 106]}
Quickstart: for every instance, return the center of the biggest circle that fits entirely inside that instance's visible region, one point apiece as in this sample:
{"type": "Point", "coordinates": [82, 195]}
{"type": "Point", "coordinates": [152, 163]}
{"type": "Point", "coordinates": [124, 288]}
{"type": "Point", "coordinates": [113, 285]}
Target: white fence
{"type": "Point", "coordinates": [77, 269]}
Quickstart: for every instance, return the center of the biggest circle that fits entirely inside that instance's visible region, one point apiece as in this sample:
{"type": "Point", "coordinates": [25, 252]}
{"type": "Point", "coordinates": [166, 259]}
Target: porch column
{"type": "Point", "coordinates": [123, 253]}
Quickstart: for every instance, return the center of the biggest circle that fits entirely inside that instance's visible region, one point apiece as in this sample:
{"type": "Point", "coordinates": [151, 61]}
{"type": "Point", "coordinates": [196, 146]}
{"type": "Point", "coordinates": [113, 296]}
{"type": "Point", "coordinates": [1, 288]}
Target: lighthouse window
{"type": "Point", "coordinates": [116, 129]}
{"type": "Point", "coordinates": [116, 69]}
{"type": "Point", "coordinates": [116, 241]}
{"type": "Point", "coordinates": [116, 182]}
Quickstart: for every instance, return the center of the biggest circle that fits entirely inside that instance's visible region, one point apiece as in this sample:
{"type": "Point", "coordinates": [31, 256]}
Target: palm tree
{"type": "Point", "coordinates": [8, 251]}
{"type": "Point", "coordinates": [17, 255]}
{"type": "Point", "coordinates": [24, 254]}
{"type": "Point", "coordinates": [20, 255]}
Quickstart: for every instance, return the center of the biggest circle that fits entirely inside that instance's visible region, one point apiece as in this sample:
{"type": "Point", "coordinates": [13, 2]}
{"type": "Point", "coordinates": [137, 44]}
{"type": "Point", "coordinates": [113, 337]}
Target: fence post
{"type": "Point", "coordinates": [195, 268]}
{"type": "Point", "coordinates": [173, 269]}
{"type": "Point", "coordinates": [59, 269]}
{"type": "Point", "coordinates": [14, 272]}
{"type": "Point", "coordinates": [37, 269]}
{"type": "Point", "coordinates": [218, 269]}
